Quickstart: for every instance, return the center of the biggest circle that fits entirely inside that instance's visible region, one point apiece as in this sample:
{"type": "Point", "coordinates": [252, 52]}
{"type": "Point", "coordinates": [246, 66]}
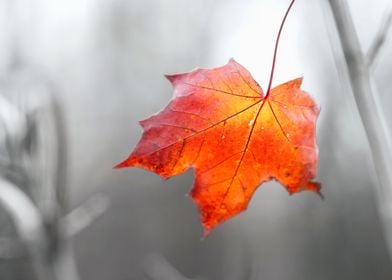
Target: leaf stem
{"type": "Point", "coordinates": [276, 49]}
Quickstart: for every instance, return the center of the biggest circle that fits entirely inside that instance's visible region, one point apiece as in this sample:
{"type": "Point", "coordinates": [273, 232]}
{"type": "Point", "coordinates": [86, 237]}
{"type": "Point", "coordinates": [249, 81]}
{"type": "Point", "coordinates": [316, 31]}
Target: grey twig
{"type": "Point", "coordinates": [156, 267]}
{"type": "Point", "coordinates": [84, 215]}
{"type": "Point", "coordinates": [32, 231]}
{"type": "Point", "coordinates": [29, 225]}
{"type": "Point", "coordinates": [370, 111]}
{"type": "Point", "coordinates": [37, 202]}
{"type": "Point", "coordinates": [379, 40]}
{"type": "Point", "coordinates": [13, 122]}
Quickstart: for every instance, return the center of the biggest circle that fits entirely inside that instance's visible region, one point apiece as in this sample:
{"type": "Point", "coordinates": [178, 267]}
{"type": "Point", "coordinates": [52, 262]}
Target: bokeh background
{"type": "Point", "coordinates": [105, 60]}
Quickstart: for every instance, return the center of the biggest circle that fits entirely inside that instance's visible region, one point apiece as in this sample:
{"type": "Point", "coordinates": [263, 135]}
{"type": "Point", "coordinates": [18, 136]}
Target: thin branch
{"type": "Point", "coordinates": [379, 40]}
{"type": "Point", "coordinates": [83, 216]}
{"type": "Point", "coordinates": [156, 267]}
{"type": "Point", "coordinates": [29, 225]}
{"type": "Point", "coordinates": [370, 111]}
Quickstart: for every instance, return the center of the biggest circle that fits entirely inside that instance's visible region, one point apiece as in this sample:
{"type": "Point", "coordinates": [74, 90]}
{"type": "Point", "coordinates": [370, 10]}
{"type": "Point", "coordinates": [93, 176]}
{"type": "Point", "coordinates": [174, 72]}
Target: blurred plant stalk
{"type": "Point", "coordinates": [366, 98]}
{"type": "Point", "coordinates": [31, 192]}
{"type": "Point", "coordinates": [32, 179]}
{"type": "Point", "coordinates": [29, 225]}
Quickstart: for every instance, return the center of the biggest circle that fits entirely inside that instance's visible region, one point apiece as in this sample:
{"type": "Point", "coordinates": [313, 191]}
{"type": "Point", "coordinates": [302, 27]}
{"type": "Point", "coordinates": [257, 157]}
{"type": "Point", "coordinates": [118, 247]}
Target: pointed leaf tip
{"type": "Point", "coordinates": [206, 232]}
{"type": "Point", "coordinates": [297, 82]}
{"type": "Point", "coordinates": [122, 164]}
{"type": "Point", "coordinates": [232, 60]}
{"type": "Point", "coordinates": [172, 77]}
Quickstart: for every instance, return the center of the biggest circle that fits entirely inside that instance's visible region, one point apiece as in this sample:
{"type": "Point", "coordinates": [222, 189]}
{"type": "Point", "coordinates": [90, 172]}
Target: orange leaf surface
{"type": "Point", "coordinates": [220, 123]}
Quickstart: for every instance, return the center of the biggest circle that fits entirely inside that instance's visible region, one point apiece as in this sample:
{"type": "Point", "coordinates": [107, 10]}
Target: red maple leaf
{"type": "Point", "coordinates": [221, 124]}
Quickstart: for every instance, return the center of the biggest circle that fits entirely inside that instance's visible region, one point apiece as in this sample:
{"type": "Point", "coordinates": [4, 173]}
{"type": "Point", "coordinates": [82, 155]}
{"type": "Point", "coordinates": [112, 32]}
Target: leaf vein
{"type": "Point", "coordinates": [221, 91]}
{"type": "Point", "coordinates": [204, 129]}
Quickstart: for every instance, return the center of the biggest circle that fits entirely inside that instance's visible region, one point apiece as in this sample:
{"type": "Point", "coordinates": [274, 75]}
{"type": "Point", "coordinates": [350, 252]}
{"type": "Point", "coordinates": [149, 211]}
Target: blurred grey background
{"type": "Point", "coordinates": [105, 60]}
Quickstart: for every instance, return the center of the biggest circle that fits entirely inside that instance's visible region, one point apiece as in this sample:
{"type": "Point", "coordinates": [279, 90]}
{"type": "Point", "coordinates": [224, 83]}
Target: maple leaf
{"type": "Point", "coordinates": [221, 124]}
